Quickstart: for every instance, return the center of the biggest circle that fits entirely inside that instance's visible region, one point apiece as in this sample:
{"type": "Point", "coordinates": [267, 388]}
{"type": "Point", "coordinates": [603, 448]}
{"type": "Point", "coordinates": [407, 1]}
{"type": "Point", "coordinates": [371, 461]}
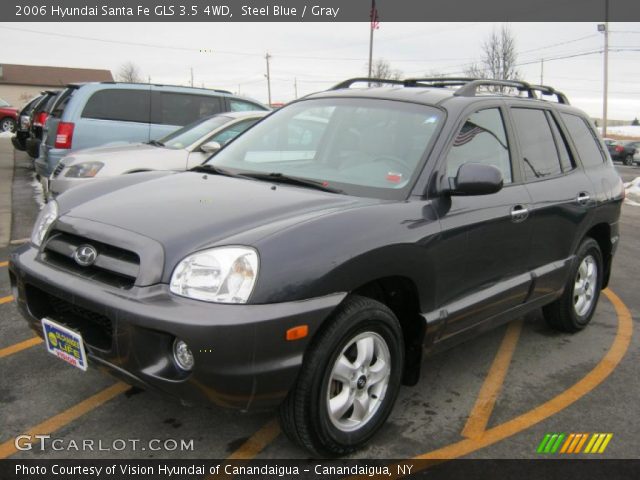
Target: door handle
{"type": "Point", "coordinates": [583, 198]}
{"type": "Point", "coordinates": [519, 213]}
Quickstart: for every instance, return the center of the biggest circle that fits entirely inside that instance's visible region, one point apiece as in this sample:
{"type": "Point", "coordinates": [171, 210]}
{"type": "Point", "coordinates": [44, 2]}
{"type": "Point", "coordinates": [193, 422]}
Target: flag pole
{"type": "Point", "coordinates": [370, 49]}
{"type": "Point", "coordinates": [373, 26]}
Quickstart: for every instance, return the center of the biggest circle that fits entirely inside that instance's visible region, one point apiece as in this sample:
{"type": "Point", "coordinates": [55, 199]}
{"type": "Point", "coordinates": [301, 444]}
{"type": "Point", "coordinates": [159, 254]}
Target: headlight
{"type": "Point", "coordinates": [221, 275]}
{"type": "Point", "coordinates": [45, 219]}
{"type": "Point", "coordinates": [84, 170]}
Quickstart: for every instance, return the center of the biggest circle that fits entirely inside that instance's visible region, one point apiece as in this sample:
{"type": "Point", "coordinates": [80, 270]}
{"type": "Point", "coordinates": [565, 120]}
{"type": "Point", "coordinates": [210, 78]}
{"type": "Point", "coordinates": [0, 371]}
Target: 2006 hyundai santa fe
{"type": "Point", "coordinates": [312, 261]}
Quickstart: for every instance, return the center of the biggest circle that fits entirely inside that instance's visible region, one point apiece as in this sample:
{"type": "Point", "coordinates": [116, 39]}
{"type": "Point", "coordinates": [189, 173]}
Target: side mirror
{"type": "Point", "coordinates": [210, 147]}
{"type": "Point", "coordinates": [476, 179]}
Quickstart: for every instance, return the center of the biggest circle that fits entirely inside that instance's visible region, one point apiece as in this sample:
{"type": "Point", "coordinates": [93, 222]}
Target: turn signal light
{"type": "Point", "coordinates": [296, 333]}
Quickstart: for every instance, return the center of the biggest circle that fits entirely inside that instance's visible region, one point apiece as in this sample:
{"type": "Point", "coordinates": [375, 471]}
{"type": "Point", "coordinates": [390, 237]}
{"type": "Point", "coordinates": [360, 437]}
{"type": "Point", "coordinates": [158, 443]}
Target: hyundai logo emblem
{"type": "Point", "coordinates": [85, 255]}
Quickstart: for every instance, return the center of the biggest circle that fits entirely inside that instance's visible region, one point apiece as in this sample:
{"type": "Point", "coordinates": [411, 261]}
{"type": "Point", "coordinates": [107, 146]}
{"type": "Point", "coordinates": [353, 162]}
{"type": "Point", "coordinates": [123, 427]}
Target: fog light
{"type": "Point", "coordinates": [182, 355]}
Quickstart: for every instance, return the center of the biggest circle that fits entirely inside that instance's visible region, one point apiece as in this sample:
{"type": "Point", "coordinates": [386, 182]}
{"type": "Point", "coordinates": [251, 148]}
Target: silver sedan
{"type": "Point", "coordinates": [183, 149]}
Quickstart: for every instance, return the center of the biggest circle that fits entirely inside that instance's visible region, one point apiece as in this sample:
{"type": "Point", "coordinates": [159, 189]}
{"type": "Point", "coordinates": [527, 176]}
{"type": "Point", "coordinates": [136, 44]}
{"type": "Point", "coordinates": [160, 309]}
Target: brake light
{"type": "Point", "coordinates": [64, 135]}
{"type": "Point", "coordinates": [619, 148]}
{"type": "Point", "coordinates": [40, 119]}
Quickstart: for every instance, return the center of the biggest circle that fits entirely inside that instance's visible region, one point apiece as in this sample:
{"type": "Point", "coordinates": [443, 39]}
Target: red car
{"type": "Point", "coordinates": [8, 117]}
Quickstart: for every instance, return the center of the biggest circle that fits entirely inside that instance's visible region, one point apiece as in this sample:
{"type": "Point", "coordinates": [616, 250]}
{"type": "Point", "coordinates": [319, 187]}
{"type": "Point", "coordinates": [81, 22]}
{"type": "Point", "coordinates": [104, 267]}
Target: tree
{"type": "Point", "coordinates": [381, 68]}
{"type": "Point", "coordinates": [499, 57]}
{"type": "Point", "coordinates": [635, 122]}
{"type": "Point", "coordinates": [129, 72]}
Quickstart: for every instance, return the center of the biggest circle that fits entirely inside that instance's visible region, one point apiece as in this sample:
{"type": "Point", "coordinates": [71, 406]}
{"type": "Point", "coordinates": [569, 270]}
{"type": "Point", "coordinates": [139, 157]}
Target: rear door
{"type": "Point", "coordinates": [482, 256]}
{"type": "Point", "coordinates": [114, 115]}
{"type": "Point", "coordinates": [561, 193]}
{"type": "Point", "coordinates": [171, 110]}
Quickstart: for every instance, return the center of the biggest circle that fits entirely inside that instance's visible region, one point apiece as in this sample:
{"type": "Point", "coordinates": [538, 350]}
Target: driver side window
{"type": "Point", "coordinates": [482, 139]}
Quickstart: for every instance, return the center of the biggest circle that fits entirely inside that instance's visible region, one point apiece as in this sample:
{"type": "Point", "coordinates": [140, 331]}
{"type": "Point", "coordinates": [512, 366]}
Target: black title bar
{"type": "Point", "coordinates": [317, 10]}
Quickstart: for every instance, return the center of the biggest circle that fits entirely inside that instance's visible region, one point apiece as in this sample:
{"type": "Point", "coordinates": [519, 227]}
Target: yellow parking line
{"type": "Point", "coordinates": [4, 264]}
{"type": "Point", "coordinates": [481, 411]}
{"type": "Point", "coordinates": [589, 382]}
{"type": "Point", "coordinates": [253, 446]}
{"type": "Point", "coordinates": [56, 422]}
{"type": "Point", "coordinates": [6, 299]}
{"type": "Point", "coordinates": [18, 347]}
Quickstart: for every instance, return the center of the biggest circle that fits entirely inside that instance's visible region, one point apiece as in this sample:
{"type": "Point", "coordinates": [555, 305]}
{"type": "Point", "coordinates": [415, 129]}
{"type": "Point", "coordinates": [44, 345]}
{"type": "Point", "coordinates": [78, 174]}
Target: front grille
{"type": "Point", "coordinates": [58, 169]}
{"type": "Point", "coordinates": [113, 265]}
{"type": "Point", "coordinates": [96, 329]}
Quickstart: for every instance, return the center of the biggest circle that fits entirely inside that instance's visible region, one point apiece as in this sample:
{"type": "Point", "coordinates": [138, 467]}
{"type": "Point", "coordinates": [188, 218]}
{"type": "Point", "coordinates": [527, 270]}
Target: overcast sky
{"type": "Point", "coordinates": [321, 54]}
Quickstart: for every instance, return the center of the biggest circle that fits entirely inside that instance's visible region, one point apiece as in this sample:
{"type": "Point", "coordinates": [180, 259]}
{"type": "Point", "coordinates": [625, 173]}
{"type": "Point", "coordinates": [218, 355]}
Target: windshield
{"type": "Point", "coordinates": [363, 147]}
{"type": "Point", "coordinates": [3, 103]}
{"type": "Point", "coordinates": [189, 134]}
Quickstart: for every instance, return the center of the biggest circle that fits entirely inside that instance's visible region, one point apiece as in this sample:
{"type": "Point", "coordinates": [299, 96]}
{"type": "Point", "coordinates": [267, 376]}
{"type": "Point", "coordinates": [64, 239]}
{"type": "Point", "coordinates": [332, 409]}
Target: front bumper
{"type": "Point", "coordinates": [242, 359]}
{"type": "Point", "coordinates": [48, 159]}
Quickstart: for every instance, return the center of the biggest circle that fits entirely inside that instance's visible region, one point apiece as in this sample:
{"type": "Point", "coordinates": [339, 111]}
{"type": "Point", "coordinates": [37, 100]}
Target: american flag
{"type": "Point", "coordinates": [468, 133]}
{"type": "Point", "coordinates": [375, 20]}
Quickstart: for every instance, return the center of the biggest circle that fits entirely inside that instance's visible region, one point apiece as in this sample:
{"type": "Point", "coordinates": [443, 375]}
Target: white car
{"type": "Point", "coordinates": [183, 149]}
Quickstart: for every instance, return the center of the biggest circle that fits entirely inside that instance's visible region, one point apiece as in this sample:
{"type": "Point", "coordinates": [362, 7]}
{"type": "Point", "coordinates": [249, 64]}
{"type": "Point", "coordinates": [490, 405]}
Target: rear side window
{"type": "Point", "coordinates": [539, 153]}
{"type": "Point", "coordinates": [566, 160]}
{"type": "Point", "coordinates": [482, 139]}
{"type": "Point", "coordinates": [182, 109]}
{"type": "Point", "coordinates": [119, 104]}
{"type": "Point", "coordinates": [584, 140]}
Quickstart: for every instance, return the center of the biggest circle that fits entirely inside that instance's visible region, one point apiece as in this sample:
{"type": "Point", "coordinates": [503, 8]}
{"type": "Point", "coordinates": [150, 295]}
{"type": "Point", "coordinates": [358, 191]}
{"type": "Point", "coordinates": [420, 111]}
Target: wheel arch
{"type": "Point", "coordinates": [601, 233]}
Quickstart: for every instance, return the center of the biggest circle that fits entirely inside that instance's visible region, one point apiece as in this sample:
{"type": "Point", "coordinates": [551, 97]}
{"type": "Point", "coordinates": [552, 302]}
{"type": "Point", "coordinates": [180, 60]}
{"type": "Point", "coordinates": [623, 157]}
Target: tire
{"type": "Point", "coordinates": [574, 309]}
{"type": "Point", "coordinates": [628, 160]}
{"type": "Point", "coordinates": [7, 124]}
{"type": "Point", "coordinates": [358, 324]}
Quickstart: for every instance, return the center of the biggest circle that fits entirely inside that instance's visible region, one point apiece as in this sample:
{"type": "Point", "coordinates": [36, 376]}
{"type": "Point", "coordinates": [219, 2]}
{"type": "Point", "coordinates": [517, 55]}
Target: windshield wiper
{"type": "Point", "coordinates": [282, 178]}
{"type": "Point", "coordinates": [209, 168]}
{"type": "Point", "coordinates": [155, 143]}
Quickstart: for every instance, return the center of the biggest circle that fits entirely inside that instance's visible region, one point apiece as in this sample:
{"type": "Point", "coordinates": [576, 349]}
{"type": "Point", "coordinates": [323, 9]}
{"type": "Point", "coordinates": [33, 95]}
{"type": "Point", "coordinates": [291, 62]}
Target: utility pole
{"type": "Point", "coordinates": [605, 97]}
{"type": "Point", "coordinates": [192, 76]}
{"type": "Point", "coordinates": [295, 86]}
{"type": "Point", "coordinates": [267, 57]}
{"type": "Point", "coordinates": [542, 71]}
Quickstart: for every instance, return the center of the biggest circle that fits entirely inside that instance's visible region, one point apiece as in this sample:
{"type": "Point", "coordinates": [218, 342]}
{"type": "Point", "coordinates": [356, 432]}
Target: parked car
{"type": "Point", "coordinates": [622, 151]}
{"type": "Point", "coordinates": [8, 117]}
{"type": "Point", "coordinates": [37, 119]}
{"type": "Point", "coordinates": [95, 114]}
{"type": "Point", "coordinates": [310, 262]}
{"type": "Point", "coordinates": [24, 122]}
{"type": "Point", "coordinates": [180, 150]}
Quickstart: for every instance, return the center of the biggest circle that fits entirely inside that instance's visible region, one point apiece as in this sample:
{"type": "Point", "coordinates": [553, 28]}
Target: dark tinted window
{"type": "Point", "coordinates": [584, 139]}
{"type": "Point", "coordinates": [566, 161]}
{"type": "Point", "coordinates": [538, 149]}
{"type": "Point", "coordinates": [119, 104]}
{"type": "Point", "coordinates": [181, 108]}
{"type": "Point", "coordinates": [482, 139]}
{"type": "Point", "coordinates": [241, 106]}
{"type": "Point", "coordinates": [56, 104]}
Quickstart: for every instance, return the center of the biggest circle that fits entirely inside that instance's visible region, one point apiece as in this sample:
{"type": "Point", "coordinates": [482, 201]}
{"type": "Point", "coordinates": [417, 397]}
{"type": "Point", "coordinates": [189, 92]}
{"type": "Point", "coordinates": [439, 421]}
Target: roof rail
{"type": "Point", "coordinates": [351, 81]}
{"type": "Point", "coordinates": [468, 86]}
{"type": "Point", "coordinates": [438, 81]}
{"type": "Point", "coordinates": [469, 89]}
{"type": "Point", "coordinates": [547, 90]}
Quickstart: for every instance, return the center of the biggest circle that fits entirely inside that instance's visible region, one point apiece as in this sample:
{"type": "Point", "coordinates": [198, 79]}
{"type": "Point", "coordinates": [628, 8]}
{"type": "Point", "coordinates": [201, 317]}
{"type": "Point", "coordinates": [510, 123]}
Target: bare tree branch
{"type": "Point", "coordinates": [499, 57]}
{"type": "Point", "coordinates": [381, 68]}
{"type": "Point", "coordinates": [129, 72]}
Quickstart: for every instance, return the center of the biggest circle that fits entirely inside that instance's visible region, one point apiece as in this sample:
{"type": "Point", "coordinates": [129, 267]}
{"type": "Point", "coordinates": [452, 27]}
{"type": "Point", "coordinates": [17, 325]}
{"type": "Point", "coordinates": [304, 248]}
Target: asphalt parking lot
{"type": "Point", "coordinates": [496, 396]}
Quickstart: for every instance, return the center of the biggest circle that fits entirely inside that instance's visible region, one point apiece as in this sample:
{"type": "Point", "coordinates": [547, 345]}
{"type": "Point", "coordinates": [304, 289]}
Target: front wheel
{"type": "Point", "coordinates": [575, 308]}
{"type": "Point", "coordinates": [628, 160]}
{"type": "Point", "coordinates": [349, 380]}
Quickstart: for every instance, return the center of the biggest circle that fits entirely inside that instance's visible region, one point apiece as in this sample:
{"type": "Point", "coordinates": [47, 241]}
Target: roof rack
{"type": "Point", "coordinates": [468, 86]}
{"type": "Point", "coordinates": [547, 90]}
{"type": "Point", "coordinates": [351, 81]}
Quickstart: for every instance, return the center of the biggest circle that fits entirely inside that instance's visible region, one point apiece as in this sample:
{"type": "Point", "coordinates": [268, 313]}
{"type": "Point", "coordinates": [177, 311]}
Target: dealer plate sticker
{"type": "Point", "coordinates": [64, 344]}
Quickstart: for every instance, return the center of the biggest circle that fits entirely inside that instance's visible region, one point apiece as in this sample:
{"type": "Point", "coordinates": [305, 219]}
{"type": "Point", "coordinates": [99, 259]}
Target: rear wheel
{"type": "Point", "coordinates": [574, 309]}
{"type": "Point", "coordinates": [628, 160]}
{"type": "Point", "coordinates": [349, 380]}
{"type": "Point", "coordinates": [7, 124]}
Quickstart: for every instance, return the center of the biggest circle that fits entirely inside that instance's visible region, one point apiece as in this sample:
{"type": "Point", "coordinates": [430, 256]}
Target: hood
{"type": "Point", "coordinates": [109, 151]}
{"type": "Point", "coordinates": [189, 211]}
